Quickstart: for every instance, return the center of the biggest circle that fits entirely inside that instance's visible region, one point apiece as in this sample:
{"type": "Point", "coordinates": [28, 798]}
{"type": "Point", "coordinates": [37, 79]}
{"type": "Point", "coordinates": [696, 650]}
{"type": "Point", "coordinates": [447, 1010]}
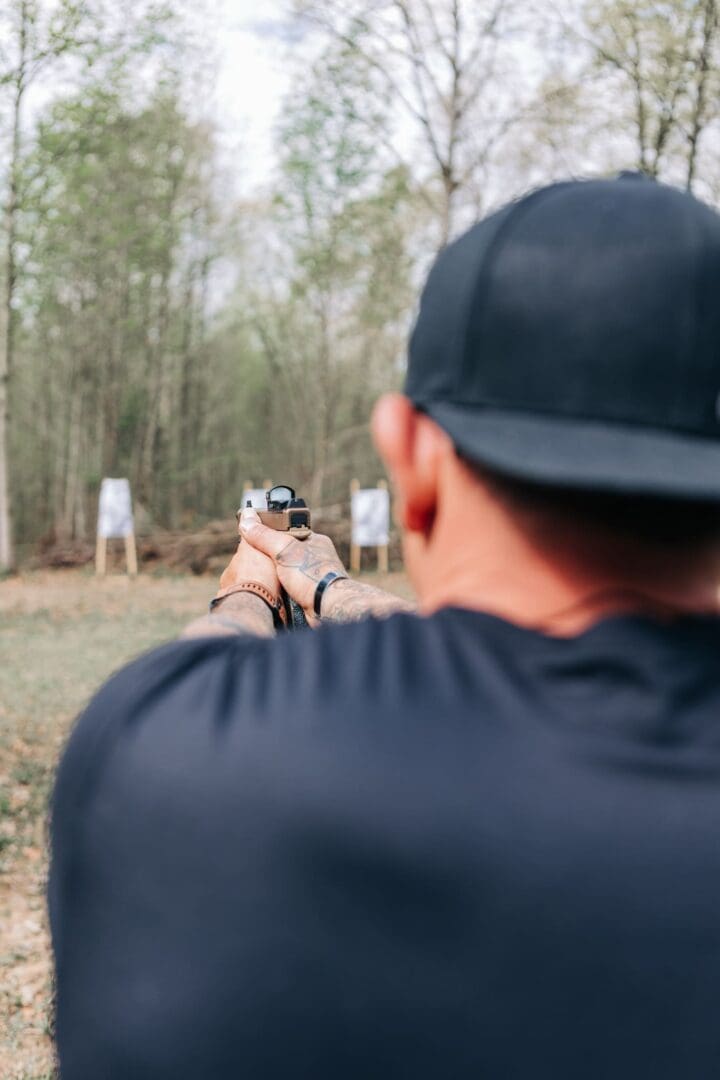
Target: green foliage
{"type": "Point", "coordinates": [111, 304]}
{"type": "Point", "coordinates": [332, 338]}
{"type": "Point", "coordinates": [166, 335]}
{"type": "Point", "coordinates": [665, 57]}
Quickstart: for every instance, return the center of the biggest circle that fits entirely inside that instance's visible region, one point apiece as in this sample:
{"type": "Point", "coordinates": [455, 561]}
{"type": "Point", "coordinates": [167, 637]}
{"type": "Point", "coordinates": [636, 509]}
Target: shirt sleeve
{"type": "Point", "coordinates": [246, 855]}
{"type": "Point", "coordinates": [137, 839]}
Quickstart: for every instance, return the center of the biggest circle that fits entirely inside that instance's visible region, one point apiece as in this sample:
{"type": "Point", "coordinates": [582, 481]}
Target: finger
{"type": "Point", "coordinates": [269, 541]}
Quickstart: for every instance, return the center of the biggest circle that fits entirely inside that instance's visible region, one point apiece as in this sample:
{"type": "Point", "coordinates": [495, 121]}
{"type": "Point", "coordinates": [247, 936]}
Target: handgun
{"type": "Point", "coordinates": [287, 513]}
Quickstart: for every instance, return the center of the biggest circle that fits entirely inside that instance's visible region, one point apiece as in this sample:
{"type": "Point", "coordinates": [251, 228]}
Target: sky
{"type": "Point", "coordinates": [251, 41]}
{"type": "Point", "coordinates": [252, 80]}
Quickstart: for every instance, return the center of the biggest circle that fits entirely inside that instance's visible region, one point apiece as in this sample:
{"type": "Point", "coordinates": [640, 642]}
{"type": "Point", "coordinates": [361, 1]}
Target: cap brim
{"type": "Point", "coordinates": [584, 454]}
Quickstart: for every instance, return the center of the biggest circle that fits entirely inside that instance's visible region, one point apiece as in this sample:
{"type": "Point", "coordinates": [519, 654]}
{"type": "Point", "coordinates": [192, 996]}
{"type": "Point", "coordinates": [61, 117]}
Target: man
{"type": "Point", "coordinates": [477, 841]}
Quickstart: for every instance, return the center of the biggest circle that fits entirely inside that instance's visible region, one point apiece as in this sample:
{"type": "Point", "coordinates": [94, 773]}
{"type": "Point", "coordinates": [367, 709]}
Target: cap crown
{"type": "Point", "coordinates": [596, 300]}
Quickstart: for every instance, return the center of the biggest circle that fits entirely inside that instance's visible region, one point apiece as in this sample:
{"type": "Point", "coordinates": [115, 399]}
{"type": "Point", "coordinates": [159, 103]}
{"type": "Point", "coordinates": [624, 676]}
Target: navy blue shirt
{"type": "Point", "coordinates": [442, 847]}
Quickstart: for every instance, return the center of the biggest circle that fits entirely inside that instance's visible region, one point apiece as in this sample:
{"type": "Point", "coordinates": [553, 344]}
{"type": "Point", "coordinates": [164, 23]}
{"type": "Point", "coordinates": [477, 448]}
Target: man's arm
{"type": "Point", "coordinates": [302, 564]}
{"type": "Point", "coordinates": [241, 613]}
{"type": "Point", "coordinates": [347, 600]}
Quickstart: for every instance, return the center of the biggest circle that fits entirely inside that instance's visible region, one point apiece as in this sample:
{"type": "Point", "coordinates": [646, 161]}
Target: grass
{"type": "Point", "coordinates": [61, 635]}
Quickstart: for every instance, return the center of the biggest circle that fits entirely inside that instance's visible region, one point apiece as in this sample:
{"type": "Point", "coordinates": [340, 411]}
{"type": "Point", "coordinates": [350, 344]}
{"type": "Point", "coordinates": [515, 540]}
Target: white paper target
{"type": "Point", "coordinates": [115, 517]}
{"type": "Point", "coordinates": [371, 517]}
{"type": "Point", "coordinates": [257, 498]}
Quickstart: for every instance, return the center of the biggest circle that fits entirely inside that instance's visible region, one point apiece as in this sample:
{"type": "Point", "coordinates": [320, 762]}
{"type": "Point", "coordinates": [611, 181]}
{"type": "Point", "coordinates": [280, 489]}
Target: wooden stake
{"type": "Point", "coordinates": [101, 556]}
{"type": "Point", "coordinates": [131, 555]}
{"type": "Point", "coordinates": [382, 551]}
{"type": "Point", "coordinates": [354, 548]}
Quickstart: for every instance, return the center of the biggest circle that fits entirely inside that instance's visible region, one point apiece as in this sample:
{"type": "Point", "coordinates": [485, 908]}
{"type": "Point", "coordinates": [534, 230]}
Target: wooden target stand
{"type": "Point", "coordinates": [131, 559]}
{"type": "Point", "coordinates": [383, 559]}
{"type": "Point", "coordinates": [115, 522]}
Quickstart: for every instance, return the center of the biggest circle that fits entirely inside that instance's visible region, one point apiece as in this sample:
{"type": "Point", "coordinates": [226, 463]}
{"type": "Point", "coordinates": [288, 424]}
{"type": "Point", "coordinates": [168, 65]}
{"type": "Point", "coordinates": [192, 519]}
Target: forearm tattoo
{"type": "Point", "coordinates": [349, 601]}
{"type": "Point", "coordinates": [241, 613]}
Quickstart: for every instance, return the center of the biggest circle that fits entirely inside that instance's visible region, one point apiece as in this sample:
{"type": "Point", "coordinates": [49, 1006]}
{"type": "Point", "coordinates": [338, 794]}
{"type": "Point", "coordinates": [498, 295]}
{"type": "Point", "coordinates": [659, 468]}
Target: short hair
{"type": "Point", "coordinates": [651, 519]}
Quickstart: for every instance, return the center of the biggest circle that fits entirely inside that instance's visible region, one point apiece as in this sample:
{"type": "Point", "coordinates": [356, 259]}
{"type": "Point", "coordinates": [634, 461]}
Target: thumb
{"type": "Point", "coordinates": [269, 541]}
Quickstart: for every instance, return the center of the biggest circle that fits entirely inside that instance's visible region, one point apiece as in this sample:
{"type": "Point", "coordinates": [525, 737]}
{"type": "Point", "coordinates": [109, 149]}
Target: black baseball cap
{"type": "Point", "coordinates": [573, 339]}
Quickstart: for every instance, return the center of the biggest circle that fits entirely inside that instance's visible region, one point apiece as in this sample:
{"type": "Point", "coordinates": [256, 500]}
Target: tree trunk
{"type": "Point", "coordinates": [72, 476]}
{"type": "Point", "coordinates": [7, 554]}
{"type": "Point", "coordinates": [6, 545]}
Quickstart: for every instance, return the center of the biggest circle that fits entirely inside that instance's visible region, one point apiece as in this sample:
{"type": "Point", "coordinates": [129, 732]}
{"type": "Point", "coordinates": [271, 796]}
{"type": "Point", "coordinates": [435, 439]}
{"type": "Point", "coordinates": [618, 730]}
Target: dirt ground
{"type": "Point", "coordinates": [61, 634]}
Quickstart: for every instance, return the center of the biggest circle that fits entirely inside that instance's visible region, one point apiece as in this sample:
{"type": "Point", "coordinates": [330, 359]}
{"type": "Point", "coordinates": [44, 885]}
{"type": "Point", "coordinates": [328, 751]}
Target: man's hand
{"type": "Point", "coordinates": [301, 564]}
{"type": "Point", "coordinates": [241, 612]}
{"type": "Point", "coordinates": [249, 564]}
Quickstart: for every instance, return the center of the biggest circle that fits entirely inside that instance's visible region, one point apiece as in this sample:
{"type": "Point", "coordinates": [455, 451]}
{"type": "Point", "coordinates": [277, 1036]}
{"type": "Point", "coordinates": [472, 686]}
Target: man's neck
{"type": "Point", "coordinates": [559, 584]}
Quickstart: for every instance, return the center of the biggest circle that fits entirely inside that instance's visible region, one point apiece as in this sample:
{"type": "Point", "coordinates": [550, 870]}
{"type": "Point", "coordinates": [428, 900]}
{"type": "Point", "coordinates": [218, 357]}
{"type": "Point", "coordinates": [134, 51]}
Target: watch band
{"type": "Point", "coordinates": [257, 589]}
{"type": "Point", "coordinates": [322, 586]}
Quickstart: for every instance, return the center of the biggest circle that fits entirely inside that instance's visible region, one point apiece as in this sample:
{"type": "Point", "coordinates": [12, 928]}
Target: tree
{"type": "Point", "coordinates": [439, 65]}
{"type": "Point", "coordinates": [119, 224]}
{"type": "Point", "coordinates": [36, 35]}
{"type": "Point", "coordinates": [655, 69]}
{"type": "Point", "coordinates": [330, 316]}
{"type": "Point", "coordinates": [34, 39]}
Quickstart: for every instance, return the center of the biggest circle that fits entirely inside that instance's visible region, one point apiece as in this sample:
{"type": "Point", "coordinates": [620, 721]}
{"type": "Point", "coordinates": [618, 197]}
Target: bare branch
{"type": "Point", "coordinates": [703, 66]}
{"type": "Point", "coordinates": [423, 114]}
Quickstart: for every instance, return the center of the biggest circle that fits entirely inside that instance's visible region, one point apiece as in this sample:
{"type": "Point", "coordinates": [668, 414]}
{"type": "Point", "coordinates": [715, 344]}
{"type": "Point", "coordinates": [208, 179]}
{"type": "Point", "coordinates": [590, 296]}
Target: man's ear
{"type": "Point", "coordinates": [412, 447]}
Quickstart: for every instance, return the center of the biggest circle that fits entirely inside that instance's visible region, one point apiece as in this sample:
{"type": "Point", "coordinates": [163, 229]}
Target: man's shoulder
{"type": "Point", "coordinates": [239, 674]}
{"type": "Point", "coordinates": [175, 701]}
{"type": "Point", "coordinates": [348, 682]}
{"type": "Point", "coordinates": [376, 659]}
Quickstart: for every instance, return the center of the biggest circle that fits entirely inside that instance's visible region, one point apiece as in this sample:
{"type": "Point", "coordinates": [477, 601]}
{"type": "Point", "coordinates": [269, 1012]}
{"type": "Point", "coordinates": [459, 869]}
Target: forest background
{"type": "Point", "coordinates": [156, 324]}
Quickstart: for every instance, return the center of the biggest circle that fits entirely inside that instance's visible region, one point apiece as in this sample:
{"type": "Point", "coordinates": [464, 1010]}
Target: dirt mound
{"type": "Point", "coordinates": [61, 555]}
{"type": "Point", "coordinates": [204, 551]}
